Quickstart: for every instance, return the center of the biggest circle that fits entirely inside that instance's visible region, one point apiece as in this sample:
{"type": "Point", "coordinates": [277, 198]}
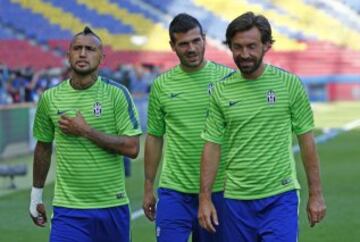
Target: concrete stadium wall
{"type": "Point", "coordinates": [15, 130]}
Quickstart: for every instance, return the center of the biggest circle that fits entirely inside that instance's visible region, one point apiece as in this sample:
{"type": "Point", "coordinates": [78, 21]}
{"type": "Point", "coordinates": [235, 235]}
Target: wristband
{"type": "Point", "coordinates": [35, 199]}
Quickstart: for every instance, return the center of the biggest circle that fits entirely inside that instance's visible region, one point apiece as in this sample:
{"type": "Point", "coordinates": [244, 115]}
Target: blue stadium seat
{"type": "Point", "coordinates": [91, 16]}
{"type": "Point", "coordinates": [205, 17]}
{"type": "Point", "coordinates": [33, 25]}
{"type": "Point", "coordinates": [355, 4]}
{"type": "Point", "coordinates": [132, 8]}
{"type": "Point", "coordinates": [6, 35]}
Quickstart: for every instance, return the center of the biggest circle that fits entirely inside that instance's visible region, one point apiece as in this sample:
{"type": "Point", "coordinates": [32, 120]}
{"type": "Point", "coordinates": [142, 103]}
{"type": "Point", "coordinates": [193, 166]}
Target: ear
{"type": "Point", "coordinates": [204, 38]}
{"type": "Point", "coordinates": [172, 44]}
{"type": "Point", "coordinates": [267, 46]}
{"type": "Point", "coordinates": [102, 56]}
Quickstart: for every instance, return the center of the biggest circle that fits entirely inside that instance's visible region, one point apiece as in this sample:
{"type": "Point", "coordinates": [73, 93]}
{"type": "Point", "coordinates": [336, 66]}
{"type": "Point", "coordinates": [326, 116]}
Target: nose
{"type": "Point", "coordinates": [83, 52]}
{"type": "Point", "coordinates": [191, 47]}
{"type": "Point", "coordinates": [244, 53]}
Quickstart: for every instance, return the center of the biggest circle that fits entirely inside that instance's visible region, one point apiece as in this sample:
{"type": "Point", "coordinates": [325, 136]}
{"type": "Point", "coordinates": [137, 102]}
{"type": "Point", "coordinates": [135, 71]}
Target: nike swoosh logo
{"type": "Point", "coordinates": [174, 95]}
{"type": "Point", "coordinates": [61, 112]}
{"type": "Point", "coordinates": [232, 103]}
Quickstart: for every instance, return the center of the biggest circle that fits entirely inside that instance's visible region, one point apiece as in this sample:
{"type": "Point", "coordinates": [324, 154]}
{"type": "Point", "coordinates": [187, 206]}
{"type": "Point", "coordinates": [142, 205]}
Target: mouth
{"type": "Point", "coordinates": [192, 57]}
{"type": "Point", "coordinates": [82, 63]}
{"type": "Point", "coordinates": [246, 63]}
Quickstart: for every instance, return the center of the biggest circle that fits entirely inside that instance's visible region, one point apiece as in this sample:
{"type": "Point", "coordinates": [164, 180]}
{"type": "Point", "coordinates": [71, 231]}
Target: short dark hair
{"type": "Point", "coordinates": [182, 23]}
{"type": "Point", "coordinates": [247, 21]}
{"type": "Point", "coordinates": [87, 31]}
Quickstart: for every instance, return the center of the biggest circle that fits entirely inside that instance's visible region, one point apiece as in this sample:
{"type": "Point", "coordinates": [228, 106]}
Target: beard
{"type": "Point", "coordinates": [83, 72]}
{"type": "Point", "coordinates": [184, 59]}
{"type": "Point", "coordinates": [248, 65]}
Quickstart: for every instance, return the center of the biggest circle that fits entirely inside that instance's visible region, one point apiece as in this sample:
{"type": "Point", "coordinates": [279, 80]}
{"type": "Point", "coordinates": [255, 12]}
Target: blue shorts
{"type": "Point", "coordinates": [176, 217]}
{"type": "Point", "coordinates": [91, 225]}
{"type": "Point", "coordinates": [272, 219]}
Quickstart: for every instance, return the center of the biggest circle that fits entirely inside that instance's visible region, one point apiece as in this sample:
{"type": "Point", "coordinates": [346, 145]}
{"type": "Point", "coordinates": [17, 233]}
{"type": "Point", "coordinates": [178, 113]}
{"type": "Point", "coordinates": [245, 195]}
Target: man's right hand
{"type": "Point", "coordinates": [37, 208]}
{"type": "Point", "coordinates": [149, 205]}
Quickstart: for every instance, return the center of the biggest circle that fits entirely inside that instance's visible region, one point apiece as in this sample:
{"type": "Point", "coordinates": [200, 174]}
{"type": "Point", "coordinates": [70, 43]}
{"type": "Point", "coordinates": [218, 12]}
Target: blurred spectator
{"type": "Point", "coordinates": [123, 75]}
{"type": "Point", "coordinates": [4, 76]}
{"type": "Point", "coordinates": [26, 85]}
{"type": "Point", "coordinates": [139, 82]}
{"type": "Point", "coordinates": [151, 73]}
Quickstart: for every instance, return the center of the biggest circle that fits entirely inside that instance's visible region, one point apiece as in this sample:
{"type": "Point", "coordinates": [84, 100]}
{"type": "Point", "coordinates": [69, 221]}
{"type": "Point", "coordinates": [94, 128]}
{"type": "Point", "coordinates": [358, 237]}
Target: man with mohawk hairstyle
{"type": "Point", "coordinates": [94, 123]}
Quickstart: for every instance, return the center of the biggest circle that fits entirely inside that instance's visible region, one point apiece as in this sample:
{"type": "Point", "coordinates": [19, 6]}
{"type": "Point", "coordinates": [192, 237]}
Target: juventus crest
{"type": "Point", "coordinates": [271, 97]}
{"type": "Point", "coordinates": [210, 87]}
{"type": "Point", "coordinates": [97, 109]}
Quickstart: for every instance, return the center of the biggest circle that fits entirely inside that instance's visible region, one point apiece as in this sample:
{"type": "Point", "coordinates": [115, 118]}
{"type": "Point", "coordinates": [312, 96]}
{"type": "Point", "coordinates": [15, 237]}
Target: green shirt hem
{"type": "Point", "coordinates": [91, 205]}
{"type": "Point", "coordinates": [179, 189]}
{"type": "Point", "coordinates": [240, 196]}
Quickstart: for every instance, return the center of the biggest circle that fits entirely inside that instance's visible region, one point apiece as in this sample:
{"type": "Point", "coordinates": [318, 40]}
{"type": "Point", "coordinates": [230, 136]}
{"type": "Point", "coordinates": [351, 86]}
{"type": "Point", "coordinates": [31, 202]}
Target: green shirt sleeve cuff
{"type": "Point", "coordinates": [155, 133]}
{"type": "Point", "coordinates": [212, 139]}
{"type": "Point", "coordinates": [304, 130]}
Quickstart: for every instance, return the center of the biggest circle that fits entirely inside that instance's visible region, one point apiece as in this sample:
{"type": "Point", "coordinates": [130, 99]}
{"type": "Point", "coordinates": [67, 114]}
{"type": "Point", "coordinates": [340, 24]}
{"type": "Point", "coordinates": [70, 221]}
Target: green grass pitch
{"type": "Point", "coordinates": [340, 176]}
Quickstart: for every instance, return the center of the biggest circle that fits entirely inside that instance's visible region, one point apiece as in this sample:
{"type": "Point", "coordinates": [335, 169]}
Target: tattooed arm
{"type": "Point", "coordinates": [42, 160]}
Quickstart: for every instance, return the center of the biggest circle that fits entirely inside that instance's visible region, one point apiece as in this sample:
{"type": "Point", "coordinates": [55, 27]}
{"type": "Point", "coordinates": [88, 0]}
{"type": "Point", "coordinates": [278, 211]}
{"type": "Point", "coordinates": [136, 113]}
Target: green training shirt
{"type": "Point", "coordinates": [178, 106]}
{"type": "Point", "coordinates": [87, 176]}
{"type": "Point", "coordinates": [255, 119]}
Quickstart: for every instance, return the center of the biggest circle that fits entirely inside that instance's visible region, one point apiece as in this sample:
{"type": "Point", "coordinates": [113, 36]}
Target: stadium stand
{"type": "Point", "coordinates": [338, 10]}
{"type": "Point", "coordinates": [207, 18]}
{"type": "Point", "coordinates": [135, 31]}
{"type": "Point", "coordinates": [14, 15]}
{"type": "Point", "coordinates": [156, 34]}
{"type": "Point", "coordinates": [92, 17]}
{"type": "Point", "coordinates": [133, 8]}
{"type": "Point", "coordinates": [6, 34]}
{"type": "Point", "coordinates": [296, 20]}
{"type": "Point", "coordinates": [228, 10]}
{"type": "Point", "coordinates": [353, 4]}
{"type": "Point", "coordinates": [21, 53]}
{"type": "Point", "coordinates": [320, 24]}
{"type": "Point", "coordinates": [74, 24]}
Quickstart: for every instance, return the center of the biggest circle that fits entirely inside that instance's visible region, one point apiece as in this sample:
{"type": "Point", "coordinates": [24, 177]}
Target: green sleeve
{"type": "Point", "coordinates": [43, 129]}
{"type": "Point", "coordinates": [214, 129]}
{"type": "Point", "coordinates": [126, 115]}
{"type": "Point", "coordinates": [156, 115]}
{"type": "Point", "coordinates": [302, 120]}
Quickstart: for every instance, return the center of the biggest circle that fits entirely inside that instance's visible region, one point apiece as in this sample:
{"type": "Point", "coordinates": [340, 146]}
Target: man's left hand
{"type": "Point", "coordinates": [316, 209]}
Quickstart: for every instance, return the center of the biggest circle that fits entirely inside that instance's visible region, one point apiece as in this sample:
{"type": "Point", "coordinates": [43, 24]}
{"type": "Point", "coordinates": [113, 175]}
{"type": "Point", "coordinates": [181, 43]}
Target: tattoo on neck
{"type": "Point", "coordinates": [80, 84]}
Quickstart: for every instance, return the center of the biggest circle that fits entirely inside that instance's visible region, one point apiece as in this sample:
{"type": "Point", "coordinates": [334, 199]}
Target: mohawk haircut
{"type": "Point", "coordinates": [88, 31]}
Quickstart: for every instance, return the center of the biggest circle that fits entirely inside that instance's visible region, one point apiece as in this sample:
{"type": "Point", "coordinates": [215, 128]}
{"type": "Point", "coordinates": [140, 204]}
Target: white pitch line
{"type": "Point", "coordinates": [351, 125]}
{"type": "Point", "coordinates": [331, 133]}
{"type": "Point", "coordinates": [137, 214]}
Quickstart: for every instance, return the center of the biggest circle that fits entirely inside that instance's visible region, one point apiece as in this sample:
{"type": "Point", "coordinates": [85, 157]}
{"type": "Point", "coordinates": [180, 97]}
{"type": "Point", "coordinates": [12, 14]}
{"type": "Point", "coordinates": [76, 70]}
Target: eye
{"type": "Point", "coordinates": [76, 47]}
{"type": "Point", "coordinates": [252, 46]}
{"type": "Point", "coordinates": [90, 48]}
{"type": "Point", "coordinates": [196, 41]}
{"type": "Point", "coordinates": [236, 47]}
{"type": "Point", "coordinates": [183, 44]}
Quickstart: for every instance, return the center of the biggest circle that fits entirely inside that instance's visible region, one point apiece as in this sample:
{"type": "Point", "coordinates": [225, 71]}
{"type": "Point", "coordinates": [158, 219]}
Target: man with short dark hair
{"type": "Point", "coordinates": [178, 103]}
{"type": "Point", "coordinates": [254, 112]}
{"type": "Point", "coordinates": [94, 123]}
